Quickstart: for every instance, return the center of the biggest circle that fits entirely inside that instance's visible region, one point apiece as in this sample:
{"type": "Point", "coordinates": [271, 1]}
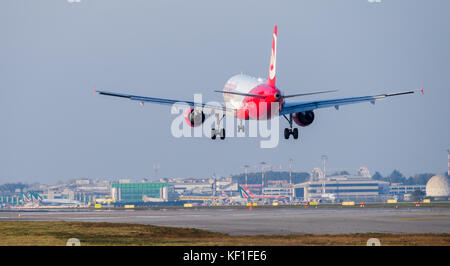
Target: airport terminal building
{"type": "Point", "coordinates": [341, 188]}
{"type": "Point", "coordinates": [402, 190]}
{"type": "Point", "coordinates": [139, 192]}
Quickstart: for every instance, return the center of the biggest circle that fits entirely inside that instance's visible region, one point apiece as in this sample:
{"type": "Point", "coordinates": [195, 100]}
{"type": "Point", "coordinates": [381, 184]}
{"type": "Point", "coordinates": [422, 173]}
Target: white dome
{"type": "Point", "coordinates": [437, 186]}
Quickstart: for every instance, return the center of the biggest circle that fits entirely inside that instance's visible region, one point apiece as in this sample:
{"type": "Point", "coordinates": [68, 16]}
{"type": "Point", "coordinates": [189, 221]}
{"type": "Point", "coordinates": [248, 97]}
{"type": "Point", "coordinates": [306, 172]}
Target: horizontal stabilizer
{"type": "Point", "coordinates": [310, 93]}
{"type": "Point", "coordinates": [242, 94]}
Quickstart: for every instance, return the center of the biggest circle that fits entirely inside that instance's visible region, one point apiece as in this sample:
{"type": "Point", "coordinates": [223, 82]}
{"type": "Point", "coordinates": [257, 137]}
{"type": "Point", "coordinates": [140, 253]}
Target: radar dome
{"type": "Point", "coordinates": [437, 186]}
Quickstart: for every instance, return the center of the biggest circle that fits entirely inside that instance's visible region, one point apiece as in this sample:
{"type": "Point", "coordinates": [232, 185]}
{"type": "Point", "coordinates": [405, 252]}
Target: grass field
{"type": "Point", "coordinates": [26, 233]}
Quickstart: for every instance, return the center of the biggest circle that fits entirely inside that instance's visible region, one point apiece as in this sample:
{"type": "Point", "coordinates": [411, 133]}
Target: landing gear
{"type": "Point", "coordinates": [241, 127]}
{"type": "Point", "coordinates": [295, 133]}
{"type": "Point", "coordinates": [213, 133]}
{"type": "Point", "coordinates": [220, 131]}
{"type": "Point", "coordinates": [289, 131]}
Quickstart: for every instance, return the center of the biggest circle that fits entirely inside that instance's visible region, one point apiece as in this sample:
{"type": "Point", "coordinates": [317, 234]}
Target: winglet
{"type": "Point", "coordinates": [419, 90]}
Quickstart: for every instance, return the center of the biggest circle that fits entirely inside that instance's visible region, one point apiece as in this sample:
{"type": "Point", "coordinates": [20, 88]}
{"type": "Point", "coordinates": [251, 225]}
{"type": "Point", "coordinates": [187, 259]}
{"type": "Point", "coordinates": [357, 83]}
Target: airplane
{"type": "Point", "coordinates": [31, 197]}
{"type": "Point", "coordinates": [60, 202]}
{"type": "Point", "coordinates": [247, 194]}
{"type": "Point", "coordinates": [247, 97]}
{"type": "Point", "coordinates": [232, 199]}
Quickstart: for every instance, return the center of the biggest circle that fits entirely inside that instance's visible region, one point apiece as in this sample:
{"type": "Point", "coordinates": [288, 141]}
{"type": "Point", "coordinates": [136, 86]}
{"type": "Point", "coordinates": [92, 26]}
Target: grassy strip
{"type": "Point", "coordinates": [25, 233]}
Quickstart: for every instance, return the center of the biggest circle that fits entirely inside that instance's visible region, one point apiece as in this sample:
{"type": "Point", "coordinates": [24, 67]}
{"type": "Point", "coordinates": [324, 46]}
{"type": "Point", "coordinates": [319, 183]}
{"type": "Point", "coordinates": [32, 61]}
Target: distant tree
{"type": "Point", "coordinates": [377, 176]}
{"type": "Point", "coordinates": [422, 179]}
{"type": "Point", "coordinates": [417, 195]}
{"type": "Point", "coordinates": [409, 181]}
{"type": "Point", "coordinates": [299, 177]}
{"type": "Point", "coordinates": [340, 173]}
{"type": "Point", "coordinates": [419, 179]}
{"type": "Point", "coordinates": [396, 177]}
{"type": "Point", "coordinates": [11, 187]}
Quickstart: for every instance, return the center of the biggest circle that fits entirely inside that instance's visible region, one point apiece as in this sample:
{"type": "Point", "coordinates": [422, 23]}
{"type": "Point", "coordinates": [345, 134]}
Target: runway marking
{"type": "Point", "coordinates": [425, 218]}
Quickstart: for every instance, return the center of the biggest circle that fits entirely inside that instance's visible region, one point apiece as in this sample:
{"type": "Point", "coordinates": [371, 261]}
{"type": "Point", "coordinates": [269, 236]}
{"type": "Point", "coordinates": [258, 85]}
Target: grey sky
{"type": "Point", "coordinates": [54, 53]}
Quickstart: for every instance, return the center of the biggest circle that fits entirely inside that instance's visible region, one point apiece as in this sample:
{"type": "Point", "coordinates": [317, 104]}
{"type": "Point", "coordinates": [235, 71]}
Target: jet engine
{"type": "Point", "coordinates": [303, 119]}
{"type": "Point", "coordinates": [194, 118]}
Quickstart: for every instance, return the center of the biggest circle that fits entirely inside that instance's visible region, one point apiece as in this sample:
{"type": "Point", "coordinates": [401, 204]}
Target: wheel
{"type": "Point", "coordinates": [286, 133]}
{"type": "Point", "coordinates": [222, 133]}
{"type": "Point", "coordinates": [213, 133]}
{"type": "Point", "coordinates": [295, 133]}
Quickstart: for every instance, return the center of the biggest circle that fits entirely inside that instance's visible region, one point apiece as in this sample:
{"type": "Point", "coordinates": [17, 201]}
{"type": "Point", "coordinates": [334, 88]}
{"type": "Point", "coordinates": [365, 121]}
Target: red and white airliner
{"type": "Point", "coordinates": [247, 98]}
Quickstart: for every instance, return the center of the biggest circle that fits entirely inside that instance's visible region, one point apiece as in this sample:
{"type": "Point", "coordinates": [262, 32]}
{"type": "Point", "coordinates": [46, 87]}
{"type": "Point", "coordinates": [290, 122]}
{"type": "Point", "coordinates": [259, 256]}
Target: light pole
{"type": "Point", "coordinates": [156, 169]}
{"type": "Point", "coordinates": [214, 188]}
{"type": "Point", "coordinates": [290, 180]}
{"type": "Point", "coordinates": [448, 165]}
{"type": "Point", "coordinates": [324, 170]}
{"type": "Point", "coordinates": [263, 164]}
{"type": "Point", "coordinates": [246, 173]}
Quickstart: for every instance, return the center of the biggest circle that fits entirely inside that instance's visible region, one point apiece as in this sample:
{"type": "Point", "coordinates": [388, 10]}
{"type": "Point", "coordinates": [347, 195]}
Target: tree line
{"type": "Point", "coordinates": [299, 177]}
{"type": "Point", "coordinates": [397, 177]}
{"type": "Point", "coordinates": [11, 187]}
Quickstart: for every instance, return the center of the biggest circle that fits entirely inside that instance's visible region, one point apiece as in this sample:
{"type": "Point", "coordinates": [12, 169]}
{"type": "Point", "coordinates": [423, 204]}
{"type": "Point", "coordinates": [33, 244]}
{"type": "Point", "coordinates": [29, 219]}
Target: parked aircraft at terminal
{"type": "Point", "coordinates": [247, 194]}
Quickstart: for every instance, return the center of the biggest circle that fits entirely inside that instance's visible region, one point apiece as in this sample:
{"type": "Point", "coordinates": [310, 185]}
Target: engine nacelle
{"type": "Point", "coordinates": [303, 119]}
{"type": "Point", "coordinates": [194, 118]}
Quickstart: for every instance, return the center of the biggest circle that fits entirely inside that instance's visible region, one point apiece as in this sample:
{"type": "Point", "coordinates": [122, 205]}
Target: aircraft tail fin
{"type": "Point", "coordinates": [244, 192]}
{"type": "Point", "coordinates": [273, 60]}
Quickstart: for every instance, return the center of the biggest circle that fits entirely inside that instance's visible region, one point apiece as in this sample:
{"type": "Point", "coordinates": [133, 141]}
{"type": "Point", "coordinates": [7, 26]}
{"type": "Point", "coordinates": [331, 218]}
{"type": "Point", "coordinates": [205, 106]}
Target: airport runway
{"type": "Point", "coordinates": [264, 221]}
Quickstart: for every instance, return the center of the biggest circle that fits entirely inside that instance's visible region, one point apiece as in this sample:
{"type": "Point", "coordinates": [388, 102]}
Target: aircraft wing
{"type": "Point", "coordinates": [295, 107]}
{"type": "Point", "coordinates": [178, 103]}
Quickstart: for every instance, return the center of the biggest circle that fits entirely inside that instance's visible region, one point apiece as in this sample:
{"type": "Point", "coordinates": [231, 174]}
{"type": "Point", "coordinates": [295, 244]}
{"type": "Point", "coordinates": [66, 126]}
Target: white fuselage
{"type": "Point", "coordinates": [239, 83]}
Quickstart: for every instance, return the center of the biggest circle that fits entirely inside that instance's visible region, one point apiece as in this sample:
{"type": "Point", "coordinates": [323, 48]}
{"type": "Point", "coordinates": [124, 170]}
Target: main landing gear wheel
{"type": "Point", "coordinates": [219, 132]}
{"type": "Point", "coordinates": [222, 133]}
{"type": "Point", "coordinates": [213, 133]}
{"type": "Point", "coordinates": [293, 132]}
{"type": "Point", "coordinates": [287, 132]}
{"type": "Point", "coordinates": [241, 127]}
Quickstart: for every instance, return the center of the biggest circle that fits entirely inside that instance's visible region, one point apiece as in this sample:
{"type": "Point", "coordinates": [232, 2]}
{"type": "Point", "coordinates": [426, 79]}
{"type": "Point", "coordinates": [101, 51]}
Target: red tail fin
{"type": "Point", "coordinates": [273, 60]}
